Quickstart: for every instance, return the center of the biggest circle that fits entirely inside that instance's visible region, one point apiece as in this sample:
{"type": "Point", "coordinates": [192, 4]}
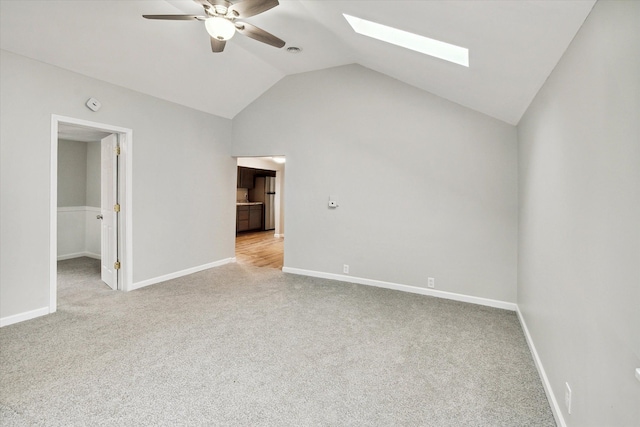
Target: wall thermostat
{"type": "Point", "coordinates": [93, 104]}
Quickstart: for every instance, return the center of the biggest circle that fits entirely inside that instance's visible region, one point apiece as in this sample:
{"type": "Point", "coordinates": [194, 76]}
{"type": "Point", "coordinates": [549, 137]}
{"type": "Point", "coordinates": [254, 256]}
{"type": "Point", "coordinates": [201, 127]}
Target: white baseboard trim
{"type": "Point", "coordinates": [551, 397]}
{"type": "Point", "coordinates": [21, 317]}
{"type": "Point", "coordinates": [405, 288]}
{"type": "Point", "coordinates": [279, 236]}
{"type": "Point", "coordinates": [181, 273]}
{"type": "Point", "coordinates": [78, 255]}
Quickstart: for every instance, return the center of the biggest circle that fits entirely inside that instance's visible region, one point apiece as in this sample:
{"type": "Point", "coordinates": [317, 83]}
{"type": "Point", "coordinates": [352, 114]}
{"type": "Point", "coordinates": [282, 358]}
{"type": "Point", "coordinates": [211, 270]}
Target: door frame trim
{"type": "Point", "coordinates": [125, 235]}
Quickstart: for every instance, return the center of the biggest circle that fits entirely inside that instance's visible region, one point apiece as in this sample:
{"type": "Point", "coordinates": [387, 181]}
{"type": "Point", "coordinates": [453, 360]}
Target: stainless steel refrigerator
{"type": "Point", "coordinates": [265, 192]}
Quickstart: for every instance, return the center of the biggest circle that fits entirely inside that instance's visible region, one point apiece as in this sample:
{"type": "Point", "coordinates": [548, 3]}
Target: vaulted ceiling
{"type": "Point", "coordinates": [513, 47]}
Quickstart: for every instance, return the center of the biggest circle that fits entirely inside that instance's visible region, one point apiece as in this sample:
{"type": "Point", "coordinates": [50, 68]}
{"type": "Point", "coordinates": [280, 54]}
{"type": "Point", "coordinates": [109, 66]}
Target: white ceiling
{"type": "Point", "coordinates": [514, 45]}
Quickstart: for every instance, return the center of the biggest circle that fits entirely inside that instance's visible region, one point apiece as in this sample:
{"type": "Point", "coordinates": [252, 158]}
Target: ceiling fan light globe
{"type": "Point", "coordinates": [220, 28]}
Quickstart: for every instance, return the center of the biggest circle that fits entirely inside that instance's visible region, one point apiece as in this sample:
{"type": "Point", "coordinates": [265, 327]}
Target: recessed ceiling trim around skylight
{"type": "Point", "coordinates": [448, 52]}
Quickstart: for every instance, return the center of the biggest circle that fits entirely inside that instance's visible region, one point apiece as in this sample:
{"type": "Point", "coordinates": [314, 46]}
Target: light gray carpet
{"type": "Point", "coordinates": [242, 346]}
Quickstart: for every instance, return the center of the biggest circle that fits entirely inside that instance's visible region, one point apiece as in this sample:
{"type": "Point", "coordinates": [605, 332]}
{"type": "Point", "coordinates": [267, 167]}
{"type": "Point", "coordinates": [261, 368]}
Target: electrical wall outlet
{"type": "Point", "coordinates": [431, 282]}
{"type": "Point", "coordinates": [345, 269]}
{"type": "Point", "coordinates": [567, 397]}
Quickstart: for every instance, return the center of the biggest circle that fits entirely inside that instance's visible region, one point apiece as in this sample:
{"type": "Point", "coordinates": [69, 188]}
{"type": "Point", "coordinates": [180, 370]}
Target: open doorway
{"type": "Point", "coordinates": [90, 207]}
{"type": "Point", "coordinates": [79, 251]}
{"type": "Point", "coordinates": [260, 211]}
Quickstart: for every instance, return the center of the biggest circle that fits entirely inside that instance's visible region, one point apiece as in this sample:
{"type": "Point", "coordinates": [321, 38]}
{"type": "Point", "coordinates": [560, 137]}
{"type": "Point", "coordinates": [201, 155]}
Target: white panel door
{"type": "Point", "coordinates": [108, 195]}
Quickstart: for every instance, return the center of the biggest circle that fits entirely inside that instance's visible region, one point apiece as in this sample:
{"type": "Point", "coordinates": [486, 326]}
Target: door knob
{"type": "Point", "coordinates": [99, 216]}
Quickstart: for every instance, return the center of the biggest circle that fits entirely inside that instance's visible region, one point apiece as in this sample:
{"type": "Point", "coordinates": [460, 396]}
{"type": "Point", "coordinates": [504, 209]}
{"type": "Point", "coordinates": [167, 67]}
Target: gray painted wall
{"type": "Point", "coordinates": [579, 250]}
{"type": "Point", "coordinates": [183, 177]}
{"type": "Point", "coordinates": [72, 173]}
{"type": "Point", "coordinates": [426, 187]}
{"type": "Point", "coordinates": [78, 173]}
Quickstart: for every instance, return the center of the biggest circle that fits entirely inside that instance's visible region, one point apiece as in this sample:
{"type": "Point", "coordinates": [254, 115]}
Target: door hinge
{"type": "Point", "coordinates": [117, 150]}
{"type": "Point", "coordinates": [116, 265]}
{"type": "Point", "coordinates": [116, 207]}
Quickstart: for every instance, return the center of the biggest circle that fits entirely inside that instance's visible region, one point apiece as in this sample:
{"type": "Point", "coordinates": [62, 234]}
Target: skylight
{"type": "Point", "coordinates": [448, 52]}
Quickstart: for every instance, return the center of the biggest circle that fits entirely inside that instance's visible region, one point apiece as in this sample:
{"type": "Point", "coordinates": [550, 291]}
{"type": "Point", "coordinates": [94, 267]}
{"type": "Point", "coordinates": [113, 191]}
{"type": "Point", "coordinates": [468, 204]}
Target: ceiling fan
{"type": "Point", "coordinates": [220, 21]}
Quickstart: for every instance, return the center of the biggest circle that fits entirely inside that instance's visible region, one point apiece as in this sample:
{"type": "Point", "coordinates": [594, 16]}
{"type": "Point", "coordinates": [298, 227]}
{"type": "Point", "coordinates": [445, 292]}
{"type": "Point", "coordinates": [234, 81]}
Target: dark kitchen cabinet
{"type": "Point", "coordinates": [255, 217]}
{"type": "Point", "coordinates": [248, 217]}
{"type": "Point", "coordinates": [242, 218]}
{"type": "Point", "coordinates": [245, 177]}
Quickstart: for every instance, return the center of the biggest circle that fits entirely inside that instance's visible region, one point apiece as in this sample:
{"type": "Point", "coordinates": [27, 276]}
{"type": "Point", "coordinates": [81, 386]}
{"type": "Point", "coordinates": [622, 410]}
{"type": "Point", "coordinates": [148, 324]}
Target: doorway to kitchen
{"type": "Point", "coordinates": [260, 211]}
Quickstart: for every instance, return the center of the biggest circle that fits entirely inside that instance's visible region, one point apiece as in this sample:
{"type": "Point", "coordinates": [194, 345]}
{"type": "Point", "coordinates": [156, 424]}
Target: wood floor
{"type": "Point", "coordinates": [260, 249]}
